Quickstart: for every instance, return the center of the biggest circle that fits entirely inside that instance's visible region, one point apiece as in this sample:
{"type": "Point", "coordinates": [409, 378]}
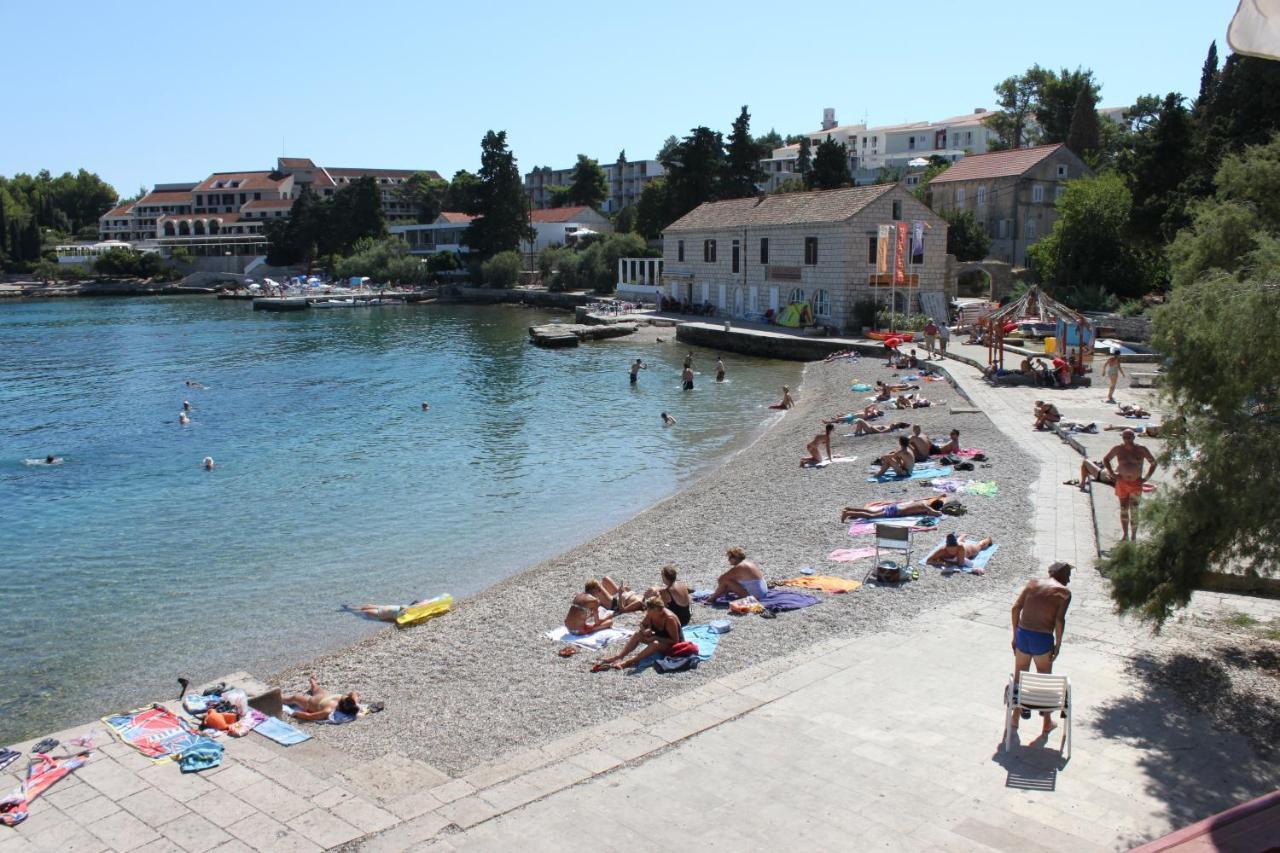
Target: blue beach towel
{"type": "Point", "coordinates": [861, 386]}
{"type": "Point", "coordinates": [978, 562]}
{"type": "Point", "coordinates": [281, 732]}
{"type": "Point", "coordinates": [704, 637]}
{"type": "Point", "coordinates": [918, 473]}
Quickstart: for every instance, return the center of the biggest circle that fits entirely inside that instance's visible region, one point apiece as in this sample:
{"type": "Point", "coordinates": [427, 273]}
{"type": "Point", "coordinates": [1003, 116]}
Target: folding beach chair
{"type": "Point", "coordinates": [892, 537]}
{"type": "Point", "coordinates": [1036, 691]}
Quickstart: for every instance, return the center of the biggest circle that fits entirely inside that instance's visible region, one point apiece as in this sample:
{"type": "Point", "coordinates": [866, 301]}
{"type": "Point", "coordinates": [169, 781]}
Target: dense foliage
{"type": "Point", "coordinates": [40, 209]}
{"type": "Point", "coordinates": [327, 228]}
{"type": "Point", "coordinates": [502, 270]}
{"type": "Point", "coordinates": [967, 239]}
{"type": "Point", "coordinates": [386, 260]}
{"type": "Point", "coordinates": [593, 264]}
{"type": "Point", "coordinates": [501, 203]}
{"type": "Point", "coordinates": [830, 166]}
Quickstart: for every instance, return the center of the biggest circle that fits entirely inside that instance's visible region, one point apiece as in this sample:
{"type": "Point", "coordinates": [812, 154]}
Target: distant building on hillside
{"type": "Point", "coordinates": [442, 235]}
{"type": "Point", "coordinates": [1011, 193]}
{"type": "Point", "coordinates": [563, 224]}
{"type": "Point", "coordinates": [753, 255]}
{"type": "Point", "coordinates": [626, 180]}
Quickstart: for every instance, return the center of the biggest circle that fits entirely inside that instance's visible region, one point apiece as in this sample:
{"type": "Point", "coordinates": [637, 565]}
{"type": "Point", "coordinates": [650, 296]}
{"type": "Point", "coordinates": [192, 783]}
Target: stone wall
{"type": "Point", "coordinates": [518, 296]}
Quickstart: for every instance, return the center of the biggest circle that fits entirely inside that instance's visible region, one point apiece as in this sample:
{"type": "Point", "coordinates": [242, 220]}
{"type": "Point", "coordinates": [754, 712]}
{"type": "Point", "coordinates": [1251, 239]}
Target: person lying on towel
{"type": "Point", "coordinates": [659, 631]}
{"type": "Point", "coordinates": [958, 550]}
{"type": "Point", "coordinates": [929, 506]}
{"type": "Point", "coordinates": [318, 704]}
{"type": "Point", "coordinates": [870, 413]}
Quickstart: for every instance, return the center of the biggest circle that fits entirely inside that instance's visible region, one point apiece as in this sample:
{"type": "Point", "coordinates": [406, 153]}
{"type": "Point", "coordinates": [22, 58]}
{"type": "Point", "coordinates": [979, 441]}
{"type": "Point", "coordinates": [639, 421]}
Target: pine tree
{"type": "Point", "coordinates": [1084, 137]}
{"type": "Point", "coordinates": [1208, 77]}
{"type": "Point", "coordinates": [32, 241]}
{"type": "Point", "coordinates": [743, 170]}
{"type": "Point", "coordinates": [804, 164]}
{"type": "Point", "coordinates": [590, 187]}
{"type": "Point", "coordinates": [831, 165]}
{"type": "Point", "coordinates": [503, 209]}
{"type": "Point", "coordinates": [695, 171]}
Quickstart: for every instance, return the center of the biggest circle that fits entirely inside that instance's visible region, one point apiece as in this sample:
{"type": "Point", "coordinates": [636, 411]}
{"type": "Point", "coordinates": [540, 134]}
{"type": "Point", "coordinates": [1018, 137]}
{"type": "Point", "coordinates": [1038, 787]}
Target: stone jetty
{"type": "Point", "coordinates": [571, 334]}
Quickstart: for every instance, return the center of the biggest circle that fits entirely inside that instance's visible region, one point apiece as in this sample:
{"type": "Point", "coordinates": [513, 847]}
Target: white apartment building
{"type": "Point", "coordinates": [626, 180]}
{"type": "Point", "coordinates": [443, 235]}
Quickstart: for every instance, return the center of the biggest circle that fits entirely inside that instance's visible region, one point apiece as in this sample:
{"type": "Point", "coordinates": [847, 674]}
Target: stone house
{"type": "Point", "coordinates": [747, 256]}
{"type": "Point", "coordinates": [1011, 193]}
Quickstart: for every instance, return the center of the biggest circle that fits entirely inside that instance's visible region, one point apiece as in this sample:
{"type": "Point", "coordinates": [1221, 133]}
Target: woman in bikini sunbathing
{"type": "Point", "coordinates": [928, 506]}
{"type": "Point", "coordinates": [614, 596]}
{"type": "Point", "coordinates": [317, 704]}
{"type": "Point", "coordinates": [659, 631]}
{"type": "Point", "coordinates": [959, 550]}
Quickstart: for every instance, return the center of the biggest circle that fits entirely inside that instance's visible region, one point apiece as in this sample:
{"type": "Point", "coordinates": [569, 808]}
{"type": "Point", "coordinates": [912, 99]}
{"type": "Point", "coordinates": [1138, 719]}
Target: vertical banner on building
{"type": "Point", "coordinates": [882, 249]}
{"type": "Point", "coordinates": [917, 242]}
{"type": "Point", "coordinates": [900, 255]}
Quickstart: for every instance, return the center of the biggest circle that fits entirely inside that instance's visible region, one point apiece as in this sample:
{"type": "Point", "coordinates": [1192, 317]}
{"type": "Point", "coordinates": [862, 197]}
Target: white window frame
{"type": "Point", "coordinates": [821, 303]}
{"type": "Point", "coordinates": [982, 196]}
{"type": "Point", "coordinates": [959, 196]}
{"type": "Point", "coordinates": [794, 293]}
{"type": "Point", "coordinates": [1037, 193]}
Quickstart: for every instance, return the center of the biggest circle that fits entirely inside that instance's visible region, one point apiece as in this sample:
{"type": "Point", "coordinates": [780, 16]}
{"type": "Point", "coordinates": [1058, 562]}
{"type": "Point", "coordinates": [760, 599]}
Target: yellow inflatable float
{"type": "Point", "coordinates": [418, 613]}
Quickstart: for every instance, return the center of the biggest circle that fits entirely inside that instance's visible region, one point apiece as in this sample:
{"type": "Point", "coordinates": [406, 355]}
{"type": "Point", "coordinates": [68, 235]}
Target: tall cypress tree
{"type": "Point", "coordinates": [831, 165]}
{"type": "Point", "coordinates": [1084, 137]}
{"type": "Point", "coordinates": [804, 164]}
{"type": "Point", "coordinates": [32, 242]}
{"type": "Point", "coordinates": [1208, 77]}
{"type": "Point", "coordinates": [503, 209]}
{"type": "Point", "coordinates": [743, 171]}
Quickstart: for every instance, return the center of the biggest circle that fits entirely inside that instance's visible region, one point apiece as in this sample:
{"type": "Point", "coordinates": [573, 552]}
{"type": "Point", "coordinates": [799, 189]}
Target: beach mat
{"type": "Point", "coordinates": [825, 462]}
{"type": "Point", "coordinates": [156, 732]}
{"type": "Point", "coordinates": [777, 600]}
{"type": "Point", "coordinates": [826, 583]}
{"type": "Point", "coordinates": [867, 526]}
{"type": "Point", "coordinates": [281, 732]}
{"type": "Point", "coordinates": [978, 562]}
{"type": "Point", "coordinates": [593, 642]}
{"type": "Point", "coordinates": [917, 474]}
{"type": "Point", "coordinates": [703, 636]}
{"type": "Point", "coordinates": [848, 555]}
{"type": "Point", "coordinates": [953, 486]}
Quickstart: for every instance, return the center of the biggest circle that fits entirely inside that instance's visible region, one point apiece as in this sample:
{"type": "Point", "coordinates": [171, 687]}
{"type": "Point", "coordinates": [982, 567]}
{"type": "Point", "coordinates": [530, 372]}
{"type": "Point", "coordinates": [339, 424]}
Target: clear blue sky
{"type": "Point", "coordinates": [145, 92]}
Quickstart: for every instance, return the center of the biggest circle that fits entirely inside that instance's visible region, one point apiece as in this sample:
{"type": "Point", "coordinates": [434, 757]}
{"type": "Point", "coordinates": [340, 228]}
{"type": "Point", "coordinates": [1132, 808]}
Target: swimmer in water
{"type": "Point", "coordinates": [719, 369]}
{"type": "Point", "coordinates": [425, 406]}
{"type": "Point", "coordinates": [667, 420]}
{"type": "Point", "coordinates": [186, 405]}
{"type": "Point", "coordinates": [196, 385]}
{"type": "Point", "coordinates": [183, 419]}
{"type": "Point", "coordinates": [208, 463]}
{"type": "Point", "coordinates": [51, 460]}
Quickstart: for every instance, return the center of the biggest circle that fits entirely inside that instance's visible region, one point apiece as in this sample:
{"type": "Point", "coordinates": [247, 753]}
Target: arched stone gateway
{"type": "Point", "coordinates": [998, 273]}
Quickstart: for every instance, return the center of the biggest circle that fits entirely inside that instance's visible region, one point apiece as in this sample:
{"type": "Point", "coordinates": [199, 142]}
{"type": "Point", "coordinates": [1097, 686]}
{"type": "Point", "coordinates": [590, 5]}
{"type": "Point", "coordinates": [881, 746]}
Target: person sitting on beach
{"type": "Point", "coordinates": [787, 402]}
{"type": "Point", "coordinates": [675, 595]}
{"type": "Point", "coordinates": [584, 615]}
{"type": "Point", "coordinates": [1044, 374]}
{"type": "Point", "coordinates": [318, 705]}
{"type": "Point", "coordinates": [820, 441]}
{"type": "Point", "coordinates": [913, 361]}
{"type": "Point", "coordinates": [659, 631]}
{"type": "Point", "coordinates": [861, 427]}
{"type": "Point", "coordinates": [743, 578]}
{"type": "Point", "coordinates": [1094, 472]}
{"type": "Point", "coordinates": [902, 460]}
{"type": "Point", "coordinates": [667, 420]}
{"type": "Point", "coordinates": [614, 596]}
{"type": "Point", "coordinates": [882, 392]}
{"type": "Point", "coordinates": [1046, 414]}
{"type": "Point", "coordinates": [929, 506]}
{"type": "Point", "coordinates": [912, 401]}
{"type": "Point", "coordinates": [952, 445]}
{"type": "Point", "coordinates": [959, 550]}
{"type": "Point", "coordinates": [921, 446]}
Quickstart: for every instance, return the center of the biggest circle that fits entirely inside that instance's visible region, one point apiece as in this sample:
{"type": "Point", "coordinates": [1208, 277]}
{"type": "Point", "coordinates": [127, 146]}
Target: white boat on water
{"type": "Point", "coordinates": [334, 303]}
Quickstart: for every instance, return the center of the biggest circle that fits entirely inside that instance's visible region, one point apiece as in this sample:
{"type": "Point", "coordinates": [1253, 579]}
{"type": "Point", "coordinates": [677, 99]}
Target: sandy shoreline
{"type": "Point", "coordinates": [483, 681]}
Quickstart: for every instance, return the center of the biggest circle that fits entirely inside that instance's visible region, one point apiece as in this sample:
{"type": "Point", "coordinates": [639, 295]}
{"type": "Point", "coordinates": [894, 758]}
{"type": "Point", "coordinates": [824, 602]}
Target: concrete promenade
{"type": "Point", "coordinates": [884, 741]}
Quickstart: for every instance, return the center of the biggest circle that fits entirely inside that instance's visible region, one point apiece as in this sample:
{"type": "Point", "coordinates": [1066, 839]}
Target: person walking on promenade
{"type": "Point", "coordinates": [636, 367]}
{"type": "Point", "coordinates": [930, 336]}
{"type": "Point", "coordinates": [944, 338]}
{"type": "Point", "coordinates": [1128, 456]}
{"type": "Point", "coordinates": [1039, 619]}
{"type": "Point", "coordinates": [1113, 371]}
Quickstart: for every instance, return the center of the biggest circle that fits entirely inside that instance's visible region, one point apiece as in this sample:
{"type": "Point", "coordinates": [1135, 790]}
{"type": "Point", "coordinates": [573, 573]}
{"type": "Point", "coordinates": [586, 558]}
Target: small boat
{"type": "Point", "coordinates": [333, 303]}
{"type": "Point", "coordinates": [883, 336]}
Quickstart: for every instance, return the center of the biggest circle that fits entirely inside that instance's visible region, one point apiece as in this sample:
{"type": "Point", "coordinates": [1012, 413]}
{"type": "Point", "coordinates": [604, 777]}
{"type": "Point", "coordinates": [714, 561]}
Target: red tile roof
{"type": "Point", "coordinates": [165, 198]}
{"type": "Point", "coordinates": [783, 209]}
{"type": "Point", "coordinates": [267, 204]}
{"type": "Point", "coordinates": [297, 163]}
{"type": "Point", "coordinates": [996, 164]}
{"type": "Point", "coordinates": [345, 172]}
{"type": "Point", "coordinates": [117, 212]}
{"type": "Point", "coordinates": [246, 181]}
{"type": "Point", "coordinates": [452, 217]}
{"type": "Point", "coordinates": [558, 214]}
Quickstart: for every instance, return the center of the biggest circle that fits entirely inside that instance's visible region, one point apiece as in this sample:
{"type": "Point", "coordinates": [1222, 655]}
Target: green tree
{"type": "Point", "coordinates": [1089, 246]}
{"type": "Point", "coordinates": [1216, 513]}
{"type": "Point", "coordinates": [502, 270]}
{"type": "Point", "coordinates": [1016, 99]}
{"type": "Point", "coordinates": [1055, 100]}
{"type": "Point", "coordinates": [1244, 109]}
{"type": "Point", "coordinates": [831, 165]}
{"type": "Point", "coordinates": [804, 163]}
{"type": "Point", "coordinates": [589, 187]}
{"type": "Point", "coordinates": [1209, 75]}
{"type": "Point", "coordinates": [651, 209]}
{"type": "Point", "coordinates": [742, 160]}
{"type": "Point", "coordinates": [967, 239]}
{"type": "Point", "coordinates": [937, 165]}
{"type": "Point", "coordinates": [1085, 136]}
{"type": "Point", "coordinates": [790, 185]}
{"type": "Point", "coordinates": [464, 193]}
{"type": "Point", "coordinates": [624, 220]}
{"type": "Point", "coordinates": [558, 195]}
{"type": "Point", "coordinates": [1156, 164]}
{"type": "Point", "coordinates": [769, 141]}
{"type": "Point", "coordinates": [695, 171]}
{"type": "Point", "coordinates": [503, 212]}
{"type": "Point", "coordinates": [443, 262]}
{"type": "Point", "coordinates": [354, 214]}
{"type": "Point", "coordinates": [667, 151]}
{"type": "Point", "coordinates": [426, 194]}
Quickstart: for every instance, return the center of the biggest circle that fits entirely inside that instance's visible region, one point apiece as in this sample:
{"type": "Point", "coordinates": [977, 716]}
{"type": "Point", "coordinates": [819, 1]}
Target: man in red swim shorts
{"type": "Point", "coordinates": [1128, 457]}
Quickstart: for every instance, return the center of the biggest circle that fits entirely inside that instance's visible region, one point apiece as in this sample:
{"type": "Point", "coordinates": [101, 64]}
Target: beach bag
{"type": "Point", "coordinates": [743, 606]}
{"type": "Point", "coordinates": [888, 574]}
{"type": "Point", "coordinates": [683, 649]}
{"type": "Point", "coordinates": [721, 626]}
{"type": "Point", "coordinates": [673, 664]}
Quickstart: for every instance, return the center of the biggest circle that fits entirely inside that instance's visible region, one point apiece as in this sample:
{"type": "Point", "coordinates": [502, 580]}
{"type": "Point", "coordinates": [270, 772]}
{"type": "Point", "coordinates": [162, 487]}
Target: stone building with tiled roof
{"type": "Point", "coordinates": [1011, 193]}
{"type": "Point", "coordinates": [752, 255]}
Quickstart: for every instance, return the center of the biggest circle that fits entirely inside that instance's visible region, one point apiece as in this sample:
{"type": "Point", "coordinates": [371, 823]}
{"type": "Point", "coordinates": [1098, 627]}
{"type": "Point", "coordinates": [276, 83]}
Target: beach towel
{"type": "Point", "coordinates": [918, 473]}
{"type": "Point", "coordinates": [860, 387]}
{"type": "Point", "coordinates": [42, 773]}
{"type": "Point", "coordinates": [281, 732]}
{"type": "Point", "coordinates": [156, 732]}
{"type": "Point", "coordinates": [704, 637]}
{"type": "Point", "coordinates": [848, 555]}
{"type": "Point", "coordinates": [825, 462]}
{"type": "Point", "coordinates": [978, 563]}
{"type": "Point", "coordinates": [968, 452]}
{"type": "Point", "coordinates": [918, 523]}
{"type": "Point", "coordinates": [247, 723]}
{"type": "Point", "coordinates": [776, 600]}
{"type": "Point", "coordinates": [594, 642]}
{"type": "Point", "coordinates": [826, 583]}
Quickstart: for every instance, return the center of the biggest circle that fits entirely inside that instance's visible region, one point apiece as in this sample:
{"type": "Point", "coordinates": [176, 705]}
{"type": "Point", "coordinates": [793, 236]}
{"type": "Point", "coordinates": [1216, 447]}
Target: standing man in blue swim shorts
{"type": "Point", "coordinates": [1039, 618]}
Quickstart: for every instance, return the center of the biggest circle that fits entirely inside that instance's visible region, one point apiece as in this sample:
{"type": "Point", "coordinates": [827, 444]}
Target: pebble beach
{"type": "Point", "coordinates": [483, 681]}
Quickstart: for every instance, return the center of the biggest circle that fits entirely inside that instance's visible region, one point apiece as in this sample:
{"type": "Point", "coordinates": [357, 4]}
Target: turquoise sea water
{"type": "Point", "coordinates": [128, 564]}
